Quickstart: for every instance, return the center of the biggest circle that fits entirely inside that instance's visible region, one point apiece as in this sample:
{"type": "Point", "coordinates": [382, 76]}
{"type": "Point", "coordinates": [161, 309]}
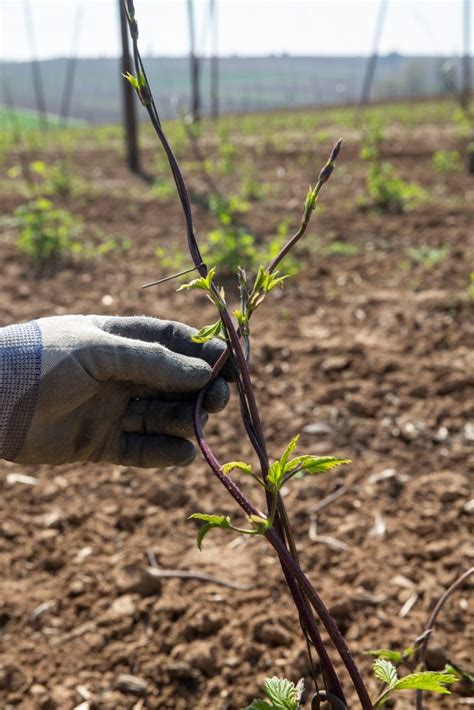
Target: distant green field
{"type": "Point", "coordinates": [276, 127]}
{"type": "Point", "coordinates": [27, 120]}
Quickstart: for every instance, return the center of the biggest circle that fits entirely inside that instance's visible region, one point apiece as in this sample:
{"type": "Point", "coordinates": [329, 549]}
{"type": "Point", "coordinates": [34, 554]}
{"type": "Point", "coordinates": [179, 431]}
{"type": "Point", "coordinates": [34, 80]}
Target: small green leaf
{"type": "Point", "coordinates": [426, 680]}
{"type": "Point", "coordinates": [208, 332]}
{"type": "Point", "coordinates": [408, 652]}
{"type": "Point", "coordinates": [310, 202]}
{"type": "Point", "coordinates": [241, 465]}
{"type": "Point", "coordinates": [314, 465]}
{"type": "Point", "coordinates": [259, 279]}
{"type": "Point", "coordinates": [282, 692]}
{"type": "Point", "coordinates": [132, 80]}
{"type": "Point", "coordinates": [277, 469]}
{"type": "Point", "coordinates": [210, 521]}
{"type": "Point", "coordinates": [289, 449]}
{"type": "Point", "coordinates": [387, 654]}
{"type": "Point", "coordinates": [242, 319]}
{"type": "Point", "coordinates": [275, 474]}
{"type": "Point", "coordinates": [195, 283]}
{"type": "Point", "coordinates": [205, 283]}
{"type": "Point", "coordinates": [274, 280]}
{"type": "Point", "coordinates": [259, 705]}
{"type": "Point", "coordinates": [386, 672]}
{"type": "Point", "coordinates": [265, 281]}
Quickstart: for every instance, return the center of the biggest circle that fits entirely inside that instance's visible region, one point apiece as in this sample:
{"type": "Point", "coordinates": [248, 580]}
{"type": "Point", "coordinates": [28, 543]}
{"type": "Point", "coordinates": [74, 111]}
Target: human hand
{"type": "Point", "coordinates": [98, 388]}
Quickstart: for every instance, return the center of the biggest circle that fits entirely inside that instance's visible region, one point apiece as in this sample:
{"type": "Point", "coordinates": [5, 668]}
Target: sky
{"type": "Point", "coordinates": [246, 27]}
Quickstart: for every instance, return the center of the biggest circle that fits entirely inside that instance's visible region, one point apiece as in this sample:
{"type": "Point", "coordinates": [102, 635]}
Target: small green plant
{"type": "Point", "coordinates": [447, 161]}
{"type": "Point", "coordinates": [231, 245]}
{"type": "Point", "coordinates": [162, 189]}
{"type": "Point", "coordinates": [428, 256]}
{"type": "Point", "coordinates": [252, 190]}
{"type": "Point", "coordinates": [227, 151]}
{"type": "Point", "coordinates": [280, 694]}
{"type": "Point", "coordinates": [57, 179]}
{"type": "Point", "coordinates": [46, 232]}
{"type": "Point", "coordinates": [338, 248]}
{"type": "Point", "coordinates": [431, 681]}
{"type": "Point", "coordinates": [282, 470]}
{"type": "Point", "coordinates": [387, 191]}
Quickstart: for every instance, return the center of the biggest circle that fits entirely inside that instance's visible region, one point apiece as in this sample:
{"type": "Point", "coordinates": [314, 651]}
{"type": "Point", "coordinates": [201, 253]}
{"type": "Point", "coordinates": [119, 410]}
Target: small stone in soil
{"type": "Point", "coordinates": [131, 684]}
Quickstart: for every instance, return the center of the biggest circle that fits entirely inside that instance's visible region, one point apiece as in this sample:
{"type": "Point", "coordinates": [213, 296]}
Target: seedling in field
{"type": "Point", "coordinates": [386, 189]}
{"type": "Point", "coordinates": [280, 694]}
{"type": "Point", "coordinates": [45, 232]}
{"type": "Point", "coordinates": [424, 680]}
{"type": "Point", "coordinates": [447, 161]}
{"type": "Point", "coordinates": [57, 179]}
{"type": "Point", "coordinates": [429, 256]}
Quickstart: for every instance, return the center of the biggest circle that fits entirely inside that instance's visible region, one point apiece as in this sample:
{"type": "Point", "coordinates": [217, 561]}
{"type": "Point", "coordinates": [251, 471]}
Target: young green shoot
{"type": "Point", "coordinates": [432, 681]}
{"type": "Point", "coordinates": [280, 693]}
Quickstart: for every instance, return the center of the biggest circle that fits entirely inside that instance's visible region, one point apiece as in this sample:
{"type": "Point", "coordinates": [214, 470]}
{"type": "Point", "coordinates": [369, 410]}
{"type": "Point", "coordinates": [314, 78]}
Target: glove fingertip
{"type": "Point", "coordinates": [217, 396]}
{"type": "Point", "coordinates": [155, 451]}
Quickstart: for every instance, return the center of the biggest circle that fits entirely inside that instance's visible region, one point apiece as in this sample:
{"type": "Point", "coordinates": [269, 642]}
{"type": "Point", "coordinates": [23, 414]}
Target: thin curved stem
{"type": "Point", "coordinates": [431, 622]}
{"type": "Point", "coordinates": [288, 562]}
{"type": "Point", "coordinates": [434, 614]}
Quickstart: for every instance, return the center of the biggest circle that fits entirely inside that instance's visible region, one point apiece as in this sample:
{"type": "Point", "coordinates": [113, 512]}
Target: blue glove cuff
{"type": "Point", "coordinates": [20, 374]}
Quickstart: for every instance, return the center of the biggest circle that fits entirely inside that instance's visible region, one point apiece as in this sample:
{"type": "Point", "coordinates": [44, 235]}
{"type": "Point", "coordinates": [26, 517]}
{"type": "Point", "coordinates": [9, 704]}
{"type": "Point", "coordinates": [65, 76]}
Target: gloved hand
{"type": "Point", "coordinates": [96, 388]}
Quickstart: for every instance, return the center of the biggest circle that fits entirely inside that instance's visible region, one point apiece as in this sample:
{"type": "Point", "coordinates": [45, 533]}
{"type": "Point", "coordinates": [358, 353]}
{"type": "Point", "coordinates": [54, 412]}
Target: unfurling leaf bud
{"type": "Point", "coordinates": [326, 172]}
{"type": "Point", "coordinates": [310, 201]}
{"type": "Point", "coordinates": [259, 523]}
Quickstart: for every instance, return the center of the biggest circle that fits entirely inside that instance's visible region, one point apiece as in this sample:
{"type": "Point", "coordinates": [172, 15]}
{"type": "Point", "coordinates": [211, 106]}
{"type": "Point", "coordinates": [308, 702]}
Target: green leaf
{"type": "Point", "coordinates": [282, 692]}
{"type": "Point", "coordinates": [243, 320]}
{"type": "Point", "coordinates": [210, 521]}
{"type": "Point", "coordinates": [289, 449]}
{"type": "Point", "coordinates": [138, 82]}
{"type": "Point", "coordinates": [314, 465]}
{"type": "Point", "coordinates": [426, 680]}
{"type": "Point", "coordinates": [277, 469]}
{"type": "Point", "coordinates": [132, 80]}
{"type": "Point", "coordinates": [310, 202]}
{"type": "Point", "coordinates": [259, 705]}
{"type": "Point", "coordinates": [386, 672]}
{"type": "Point", "coordinates": [208, 332]}
{"type": "Point", "coordinates": [195, 283]}
{"type": "Point", "coordinates": [265, 281]}
{"type": "Point", "coordinates": [274, 280]}
{"type": "Point", "coordinates": [203, 282]}
{"type": "Point", "coordinates": [275, 474]}
{"type": "Point", "coordinates": [259, 279]}
{"type": "Point", "coordinates": [408, 652]}
{"type": "Point", "coordinates": [241, 465]}
{"type": "Point", "coordinates": [387, 654]}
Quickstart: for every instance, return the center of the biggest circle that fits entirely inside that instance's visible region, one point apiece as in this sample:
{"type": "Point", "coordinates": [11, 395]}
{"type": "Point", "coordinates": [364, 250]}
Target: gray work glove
{"type": "Point", "coordinates": [96, 388]}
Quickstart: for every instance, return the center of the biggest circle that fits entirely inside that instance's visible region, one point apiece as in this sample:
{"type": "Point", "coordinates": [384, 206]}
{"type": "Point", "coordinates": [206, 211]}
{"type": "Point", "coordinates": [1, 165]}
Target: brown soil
{"type": "Point", "coordinates": [369, 355]}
